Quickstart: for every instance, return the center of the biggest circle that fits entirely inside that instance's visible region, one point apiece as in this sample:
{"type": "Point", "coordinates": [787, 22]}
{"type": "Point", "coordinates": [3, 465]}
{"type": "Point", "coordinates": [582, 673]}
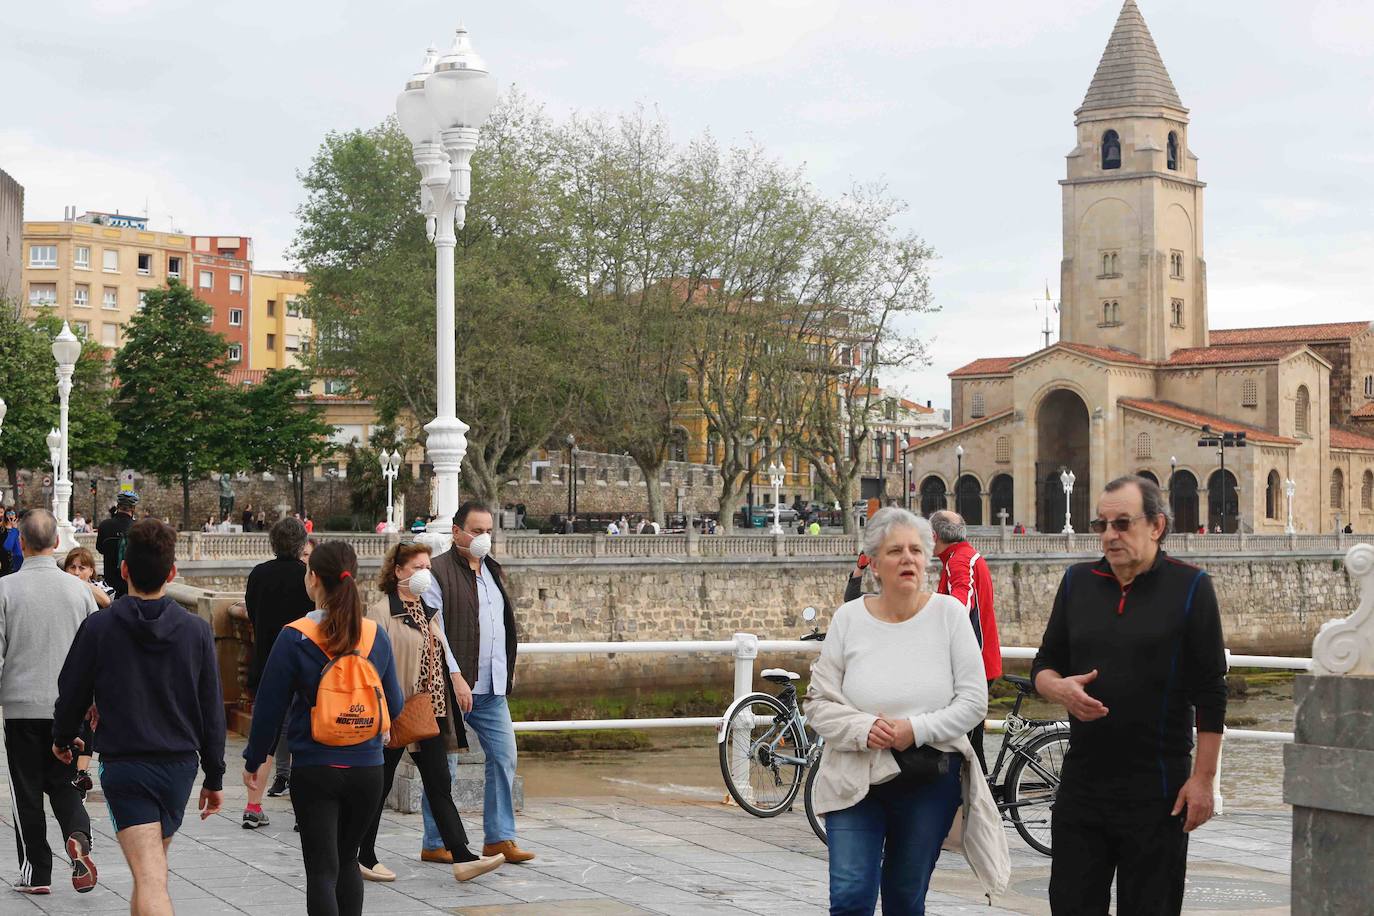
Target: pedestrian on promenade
{"type": "Point", "coordinates": [898, 686]}
{"type": "Point", "coordinates": [1133, 650]}
{"type": "Point", "coordinates": [80, 563]}
{"type": "Point", "coordinates": [479, 619]}
{"type": "Point", "coordinates": [425, 667]}
{"type": "Point", "coordinates": [273, 597]}
{"type": "Point", "coordinates": [335, 787]}
{"type": "Point", "coordinates": [309, 523]}
{"type": "Point", "coordinates": [13, 554]}
{"type": "Point", "coordinates": [41, 611]}
{"type": "Point", "coordinates": [149, 665]}
{"type": "Point", "coordinates": [110, 538]}
{"type": "Point", "coordinates": [964, 576]}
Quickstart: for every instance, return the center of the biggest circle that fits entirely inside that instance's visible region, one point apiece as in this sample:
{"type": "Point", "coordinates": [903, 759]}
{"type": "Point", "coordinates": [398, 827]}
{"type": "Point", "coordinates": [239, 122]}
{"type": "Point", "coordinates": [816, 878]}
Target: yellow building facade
{"type": "Point", "coordinates": [279, 336]}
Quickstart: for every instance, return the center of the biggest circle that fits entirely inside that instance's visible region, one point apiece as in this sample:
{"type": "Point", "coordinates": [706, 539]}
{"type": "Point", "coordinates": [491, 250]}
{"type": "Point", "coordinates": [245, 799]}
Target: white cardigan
{"type": "Point", "coordinates": [939, 685]}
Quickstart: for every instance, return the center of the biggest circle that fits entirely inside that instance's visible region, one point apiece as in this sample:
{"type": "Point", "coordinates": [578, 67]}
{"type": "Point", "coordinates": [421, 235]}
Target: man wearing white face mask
{"type": "Point", "coordinates": [479, 619]}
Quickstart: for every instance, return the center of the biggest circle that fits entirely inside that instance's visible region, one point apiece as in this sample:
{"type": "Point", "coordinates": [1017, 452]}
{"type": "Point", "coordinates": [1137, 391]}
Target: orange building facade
{"type": "Point", "coordinates": [222, 277]}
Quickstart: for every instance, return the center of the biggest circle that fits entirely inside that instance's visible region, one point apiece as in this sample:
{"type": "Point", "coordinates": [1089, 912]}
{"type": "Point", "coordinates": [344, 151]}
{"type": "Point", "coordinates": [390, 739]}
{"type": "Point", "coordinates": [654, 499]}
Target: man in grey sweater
{"type": "Point", "coordinates": [41, 608]}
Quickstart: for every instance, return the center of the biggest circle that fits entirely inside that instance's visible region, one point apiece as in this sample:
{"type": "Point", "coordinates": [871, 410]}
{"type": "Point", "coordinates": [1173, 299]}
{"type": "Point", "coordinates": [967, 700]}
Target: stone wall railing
{"type": "Point", "coordinates": [195, 545]}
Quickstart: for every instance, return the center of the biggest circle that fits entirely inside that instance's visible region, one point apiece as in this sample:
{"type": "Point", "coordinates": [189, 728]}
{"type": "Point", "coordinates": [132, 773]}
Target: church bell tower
{"type": "Point", "coordinates": [1133, 276]}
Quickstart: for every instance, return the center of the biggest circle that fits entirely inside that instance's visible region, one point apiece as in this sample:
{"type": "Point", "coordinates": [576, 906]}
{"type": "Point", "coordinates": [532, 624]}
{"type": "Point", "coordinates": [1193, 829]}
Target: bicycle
{"type": "Point", "coordinates": [1037, 747]}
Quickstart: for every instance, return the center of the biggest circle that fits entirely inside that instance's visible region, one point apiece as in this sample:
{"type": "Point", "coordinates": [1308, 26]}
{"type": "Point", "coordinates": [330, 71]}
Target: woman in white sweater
{"type": "Point", "coordinates": [898, 686]}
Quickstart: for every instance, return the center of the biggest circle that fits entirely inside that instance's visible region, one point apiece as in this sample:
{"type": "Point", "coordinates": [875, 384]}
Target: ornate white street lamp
{"type": "Point", "coordinates": [54, 440]}
{"type": "Point", "coordinates": [3, 408]}
{"type": "Point", "coordinates": [391, 466]}
{"type": "Point", "coordinates": [441, 111]}
{"type": "Point", "coordinates": [1066, 478]}
{"type": "Point", "coordinates": [777, 475]}
{"type": "Point", "coordinates": [1290, 487]}
{"type": "Point", "coordinates": [66, 349]}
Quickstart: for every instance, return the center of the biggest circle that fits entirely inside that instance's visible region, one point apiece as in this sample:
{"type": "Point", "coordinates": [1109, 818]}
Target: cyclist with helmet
{"type": "Point", "coordinates": [110, 538]}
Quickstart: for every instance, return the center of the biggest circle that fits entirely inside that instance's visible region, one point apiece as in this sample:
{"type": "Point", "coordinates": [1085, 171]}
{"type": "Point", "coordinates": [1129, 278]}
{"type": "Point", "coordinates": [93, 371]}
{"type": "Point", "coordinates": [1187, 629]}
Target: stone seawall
{"type": "Point", "coordinates": [1270, 605]}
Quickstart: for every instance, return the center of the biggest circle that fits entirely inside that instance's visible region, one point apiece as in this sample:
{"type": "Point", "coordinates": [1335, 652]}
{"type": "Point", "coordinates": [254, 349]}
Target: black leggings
{"type": "Point", "coordinates": [333, 805]}
{"type": "Point", "coordinates": [431, 759]}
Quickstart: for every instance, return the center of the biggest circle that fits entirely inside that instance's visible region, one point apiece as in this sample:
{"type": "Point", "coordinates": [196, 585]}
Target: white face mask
{"type": "Point", "coordinates": [480, 546]}
{"type": "Point", "coordinates": [419, 582]}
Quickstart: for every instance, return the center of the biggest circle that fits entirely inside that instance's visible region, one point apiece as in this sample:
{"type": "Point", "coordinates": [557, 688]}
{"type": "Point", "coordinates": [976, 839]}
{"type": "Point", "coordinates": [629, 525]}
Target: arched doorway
{"type": "Point", "coordinates": [1272, 490]}
{"type": "Point", "coordinates": [1062, 428]}
{"type": "Point", "coordinates": [1183, 499]}
{"type": "Point", "coordinates": [1223, 506]}
{"type": "Point", "coordinates": [1148, 475]}
{"type": "Point", "coordinates": [932, 495]}
{"type": "Point", "coordinates": [968, 500]}
{"type": "Point", "coordinates": [1001, 492]}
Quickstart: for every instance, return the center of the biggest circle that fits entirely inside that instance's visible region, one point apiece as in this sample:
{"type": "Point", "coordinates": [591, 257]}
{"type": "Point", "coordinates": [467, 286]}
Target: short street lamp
{"type": "Point", "coordinates": [1221, 442]}
{"type": "Point", "coordinates": [1290, 487]}
{"type": "Point", "coordinates": [776, 476]}
{"type": "Point", "coordinates": [391, 466]}
{"type": "Point", "coordinates": [1066, 478]}
{"type": "Point", "coordinates": [66, 349]}
{"type": "Point", "coordinates": [958, 476]}
{"type": "Point", "coordinates": [441, 111]}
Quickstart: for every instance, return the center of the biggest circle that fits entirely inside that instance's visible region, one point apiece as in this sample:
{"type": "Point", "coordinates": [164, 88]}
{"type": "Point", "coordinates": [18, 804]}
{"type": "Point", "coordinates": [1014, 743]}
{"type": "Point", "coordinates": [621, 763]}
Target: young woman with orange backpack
{"type": "Point", "coordinates": [333, 670]}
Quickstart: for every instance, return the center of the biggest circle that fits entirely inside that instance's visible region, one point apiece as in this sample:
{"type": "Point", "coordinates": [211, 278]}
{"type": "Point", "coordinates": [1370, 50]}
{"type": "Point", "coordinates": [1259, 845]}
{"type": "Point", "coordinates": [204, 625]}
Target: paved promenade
{"type": "Point", "coordinates": [614, 856]}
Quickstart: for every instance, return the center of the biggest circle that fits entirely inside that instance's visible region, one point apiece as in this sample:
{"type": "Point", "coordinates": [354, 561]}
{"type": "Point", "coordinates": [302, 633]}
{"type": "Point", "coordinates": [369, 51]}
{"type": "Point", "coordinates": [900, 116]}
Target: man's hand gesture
{"type": "Point", "coordinates": [1070, 693]}
{"type": "Point", "coordinates": [1196, 798]}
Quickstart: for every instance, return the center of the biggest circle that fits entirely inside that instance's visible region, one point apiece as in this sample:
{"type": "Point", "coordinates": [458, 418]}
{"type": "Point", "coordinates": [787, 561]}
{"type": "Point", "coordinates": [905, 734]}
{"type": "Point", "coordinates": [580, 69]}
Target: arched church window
{"type": "Point", "coordinates": [1337, 489]}
{"type": "Point", "coordinates": [1271, 495]}
{"type": "Point", "coordinates": [1369, 386]}
{"type": "Point", "coordinates": [1300, 411]}
{"type": "Point", "coordinates": [1249, 393]}
{"type": "Point", "coordinates": [1367, 491]}
{"type": "Point", "coordinates": [1176, 312]}
{"type": "Point", "coordinates": [1003, 450]}
{"type": "Point", "coordinates": [1106, 265]}
{"type": "Point", "coordinates": [1143, 446]}
{"type": "Point", "coordinates": [1111, 150]}
{"type": "Point", "coordinates": [1114, 270]}
{"type": "Point", "coordinates": [1106, 313]}
{"type": "Point", "coordinates": [1173, 151]}
{"type": "Point", "coordinates": [1116, 312]}
{"type": "Point", "coordinates": [978, 408]}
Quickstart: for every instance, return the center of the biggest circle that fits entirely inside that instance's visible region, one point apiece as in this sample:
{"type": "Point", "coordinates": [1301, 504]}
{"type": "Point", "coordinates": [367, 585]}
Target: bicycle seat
{"type": "Point", "coordinates": [1023, 684]}
{"type": "Point", "coordinates": [780, 675]}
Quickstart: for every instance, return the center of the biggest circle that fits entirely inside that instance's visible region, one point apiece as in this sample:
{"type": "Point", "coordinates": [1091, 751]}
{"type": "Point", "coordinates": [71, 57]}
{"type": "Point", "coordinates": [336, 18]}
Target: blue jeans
{"type": "Point", "coordinates": [490, 720]}
{"type": "Point", "coordinates": [889, 842]}
{"type": "Point", "coordinates": [432, 838]}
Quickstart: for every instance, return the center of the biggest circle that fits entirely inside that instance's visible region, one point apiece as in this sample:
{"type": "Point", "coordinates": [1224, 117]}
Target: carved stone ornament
{"type": "Point", "coordinates": [1347, 646]}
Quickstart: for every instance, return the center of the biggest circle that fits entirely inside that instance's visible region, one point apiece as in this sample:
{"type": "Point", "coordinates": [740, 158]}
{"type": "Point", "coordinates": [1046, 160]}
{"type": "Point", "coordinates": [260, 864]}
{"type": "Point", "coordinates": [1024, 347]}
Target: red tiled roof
{"type": "Point", "coordinates": [1119, 356]}
{"type": "Point", "coordinates": [912, 405]}
{"type": "Point", "coordinates": [1338, 330]}
{"type": "Point", "coordinates": [1342, 439]}
{"type": "Point", "coordinates": [922, 443]}
{"type": "Point", "coordinates": [1171, 411]}
{"type": "Point", "coordinates": [1364, 410]}
{"type": "Point", "coordinates": [988, 365]}
{"type": "Point", "coordinates": [245, 376]}
{"type": "Point", "coordinates": [1249, 353]}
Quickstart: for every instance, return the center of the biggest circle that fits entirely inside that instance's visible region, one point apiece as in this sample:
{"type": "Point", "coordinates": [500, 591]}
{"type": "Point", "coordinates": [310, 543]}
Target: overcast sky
{"type": "Point", "coordinates": [203, 113]}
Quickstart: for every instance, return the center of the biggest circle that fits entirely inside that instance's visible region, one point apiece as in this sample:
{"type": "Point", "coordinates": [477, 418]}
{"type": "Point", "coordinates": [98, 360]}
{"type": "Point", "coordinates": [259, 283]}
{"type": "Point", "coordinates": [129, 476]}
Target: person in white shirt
{"type": "Point", "coordinates": [897, 687]}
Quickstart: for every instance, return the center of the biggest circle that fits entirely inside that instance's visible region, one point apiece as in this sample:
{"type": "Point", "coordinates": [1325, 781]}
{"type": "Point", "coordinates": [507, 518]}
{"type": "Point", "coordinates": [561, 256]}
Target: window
{"type": "Point", "coordinates": [1301, 410]}
{"type": "Point", "coordinates": [42, 255]}
{"type": "Point", "coordinates": [293, 308]}
{"type": "Point", "coordinates": [209, 315]}
{"type": "Point", "coordinates": [1176, 312]}
{"type": "Point", "coordinates": [796, 462]}
{"type": "Point", "coordinates": [1176, 265]}
{"type": "Point", "coordinates": [1003, 450]}
{"type": "Point", "coordinates": [1173, 151]}
{"type": "Point", "coordinates": [109, 261]}
{"type": "Point", "coordinates": [1111, 261]}
{"type": "Point", "coordinates": [1249, 393]}
{"type": "Point", "coordinates": [1369, 386]}
{"type": "Point", "coordinates": [272, 342]}
{"type": "Point", "coordinates": [541, 472]}
{"type": "Point", "coordinates": [235, 352]}
{"type": "Point", "coordinates": [1111, 150]}
{"type": "Point", "coordinates": [236, 283]}
{"type": "Point", "coordinates": [81, 257]}
{"type": "Point", "coordinates": [82, 328]}
{"type": "Point", "coordinates": [109, 334]}
{"type": "Point", "coordinates": [42, 294]}
{"type": "Point", "coordinates": [293, 343]}
{"type": "Point", "coordinates": [1271, 495]}
{"type": "Point", "coordinates": [1337, 489]}
{"type": "Point", "coordinates": [1143, 447]}
{"type": "Point", "coordinates": [110, 298]}
{"type": "Point", "coordinates": [174, 268]}
{"type": "Point", "coordinates": [236, 318]}
{"type": "Point", "coordinates": [145, 264]}
{"type": "Point", "coordinates": [207, 280]}
{"type": "Point", "coordinates": [82, 296]}
{"type": "Point", "coordinates": [978, 408]}
{"type": "Point", "coordinates": [142, 299]}
{"type": "Point", "coordinates": [1367, 491]}
{"type": "Point", "coordinates": [271, 308]}
{"type": "Point", "coordinates": [1111, 313]}
{"type": "Point", "coordinates": [335, 386]}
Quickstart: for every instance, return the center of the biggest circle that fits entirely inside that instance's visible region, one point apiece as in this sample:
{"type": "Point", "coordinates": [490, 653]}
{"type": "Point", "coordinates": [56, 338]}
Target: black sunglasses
{"type": "Point", "coordinates": [1099, 525]}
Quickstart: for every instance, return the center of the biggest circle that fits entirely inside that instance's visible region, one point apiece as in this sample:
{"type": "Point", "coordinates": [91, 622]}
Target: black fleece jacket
{"type": "Point", "coordinates": [150, 668]}
{"type": "Point", "coordinates": [1161, 668]}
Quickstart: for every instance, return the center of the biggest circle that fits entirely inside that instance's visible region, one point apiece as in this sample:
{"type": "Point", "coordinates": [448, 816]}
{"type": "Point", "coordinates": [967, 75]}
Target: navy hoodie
{"type": "Point", "coordinates": [150, 668]}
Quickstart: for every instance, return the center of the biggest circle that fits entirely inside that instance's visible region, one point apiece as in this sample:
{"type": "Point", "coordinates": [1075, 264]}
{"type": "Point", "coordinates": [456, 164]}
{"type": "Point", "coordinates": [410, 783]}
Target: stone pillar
{"type": "Point", "coordinates": [1329, 767]}
{"type": "Point", "coordinates": [986, 498]}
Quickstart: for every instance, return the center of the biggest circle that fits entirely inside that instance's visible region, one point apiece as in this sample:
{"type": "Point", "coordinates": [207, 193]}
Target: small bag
{"type": "Point", "coordinates": [920, 765]}
{"type": "Point", "coordinates": [415, 723]}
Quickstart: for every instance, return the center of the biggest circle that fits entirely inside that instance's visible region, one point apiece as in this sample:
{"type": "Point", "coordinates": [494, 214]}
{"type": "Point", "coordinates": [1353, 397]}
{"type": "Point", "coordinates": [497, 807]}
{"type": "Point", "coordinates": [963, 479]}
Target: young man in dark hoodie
{"type": "Point", "coordinates": [149, 665]}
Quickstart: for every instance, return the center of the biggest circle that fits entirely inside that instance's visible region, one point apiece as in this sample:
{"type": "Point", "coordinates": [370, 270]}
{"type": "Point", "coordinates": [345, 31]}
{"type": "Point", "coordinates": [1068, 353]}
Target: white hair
{"type": "Point", "coordinates": [885, 520]}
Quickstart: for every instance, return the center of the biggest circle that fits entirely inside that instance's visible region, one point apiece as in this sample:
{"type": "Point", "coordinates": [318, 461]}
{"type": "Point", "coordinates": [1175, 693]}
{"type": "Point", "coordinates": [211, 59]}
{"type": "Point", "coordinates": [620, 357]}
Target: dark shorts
{"type": "Point", "coordinates": [137, 792]}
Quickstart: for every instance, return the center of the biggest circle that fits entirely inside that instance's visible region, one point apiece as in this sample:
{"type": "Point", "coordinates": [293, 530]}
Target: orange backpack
{"type": "Point", "coordinates": [350, 704]}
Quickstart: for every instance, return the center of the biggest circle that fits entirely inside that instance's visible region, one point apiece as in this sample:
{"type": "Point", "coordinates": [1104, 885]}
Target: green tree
{"type": "Point", "coordinates": [281, 430]}
{"type": "Point", "coordinates": [28, 384]}
{"type": "Point", "coordinates": [178, 416]}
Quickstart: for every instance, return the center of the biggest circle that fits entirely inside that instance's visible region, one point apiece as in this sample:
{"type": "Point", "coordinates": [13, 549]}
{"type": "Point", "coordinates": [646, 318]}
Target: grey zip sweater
{"type": "Point", "coordinates": [41, 608]}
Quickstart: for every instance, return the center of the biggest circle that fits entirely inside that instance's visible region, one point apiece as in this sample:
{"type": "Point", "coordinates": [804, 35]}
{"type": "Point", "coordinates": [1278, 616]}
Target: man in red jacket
{"type": "Point", "coordinates": [965, 576]}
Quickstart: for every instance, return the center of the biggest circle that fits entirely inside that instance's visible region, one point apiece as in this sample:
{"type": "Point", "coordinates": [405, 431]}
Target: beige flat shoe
{"type": "Point", "coordinates": [378, 872]}
{"type": "Point", "coordinates": [466, 871]}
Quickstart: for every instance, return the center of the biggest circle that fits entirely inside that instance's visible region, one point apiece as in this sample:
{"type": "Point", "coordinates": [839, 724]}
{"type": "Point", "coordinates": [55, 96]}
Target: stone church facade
{"type": "Point", "coordinates": [1137, 372]}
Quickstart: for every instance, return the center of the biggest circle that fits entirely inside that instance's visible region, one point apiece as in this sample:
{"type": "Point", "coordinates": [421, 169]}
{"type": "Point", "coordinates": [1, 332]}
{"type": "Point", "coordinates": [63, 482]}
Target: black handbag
{"type": "Point", "coordinates": [920, 765]}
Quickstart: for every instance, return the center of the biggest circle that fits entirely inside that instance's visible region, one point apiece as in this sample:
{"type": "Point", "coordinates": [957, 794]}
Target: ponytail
{"type": "Point", "coordinates": [336, 566]}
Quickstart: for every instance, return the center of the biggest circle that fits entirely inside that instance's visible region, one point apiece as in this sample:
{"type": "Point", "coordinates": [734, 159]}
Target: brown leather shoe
{"type": "Point", "coordinates": [442, 856]}
{"type": "Point", "coordinates": [508, 849]}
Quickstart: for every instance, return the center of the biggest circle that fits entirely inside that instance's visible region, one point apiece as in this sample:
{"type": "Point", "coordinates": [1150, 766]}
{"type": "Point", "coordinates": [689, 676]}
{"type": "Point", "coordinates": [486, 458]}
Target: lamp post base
{"type": "Point", "coordinates": [66, 539]}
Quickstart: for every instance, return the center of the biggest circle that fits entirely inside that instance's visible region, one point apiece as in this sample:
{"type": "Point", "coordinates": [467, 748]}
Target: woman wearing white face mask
{"type": "Point", "coordinates": [420, 651]}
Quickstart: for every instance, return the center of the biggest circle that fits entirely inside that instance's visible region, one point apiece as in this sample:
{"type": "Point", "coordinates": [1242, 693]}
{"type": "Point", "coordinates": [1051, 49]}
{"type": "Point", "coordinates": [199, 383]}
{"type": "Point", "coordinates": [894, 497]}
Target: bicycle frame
{"type": "Point", "coordinates": [788, 697]}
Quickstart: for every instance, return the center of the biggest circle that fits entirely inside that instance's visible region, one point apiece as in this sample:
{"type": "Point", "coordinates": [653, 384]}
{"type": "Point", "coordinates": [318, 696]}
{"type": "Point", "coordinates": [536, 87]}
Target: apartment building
{"type": "Point", "coordinates": [280, 334]}
{"type": "Point", "coordinates": [11, 238]}
{"type": "Point", "coordinates": [94, 270]}
{"type": "Point", "coordinates": [222, 278]}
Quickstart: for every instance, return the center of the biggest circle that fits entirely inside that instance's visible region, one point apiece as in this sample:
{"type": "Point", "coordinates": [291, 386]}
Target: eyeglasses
{"type": "Point", "coordinates": [1099, 525]}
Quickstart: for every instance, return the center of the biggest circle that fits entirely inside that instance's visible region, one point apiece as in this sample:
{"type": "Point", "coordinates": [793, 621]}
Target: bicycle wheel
{"type": "Point", "coordinates": [1032, 782]}
{"type": "Point", "coordinates": [758, 737]}
{"type": "Point", "coordinates": [817, 824]}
